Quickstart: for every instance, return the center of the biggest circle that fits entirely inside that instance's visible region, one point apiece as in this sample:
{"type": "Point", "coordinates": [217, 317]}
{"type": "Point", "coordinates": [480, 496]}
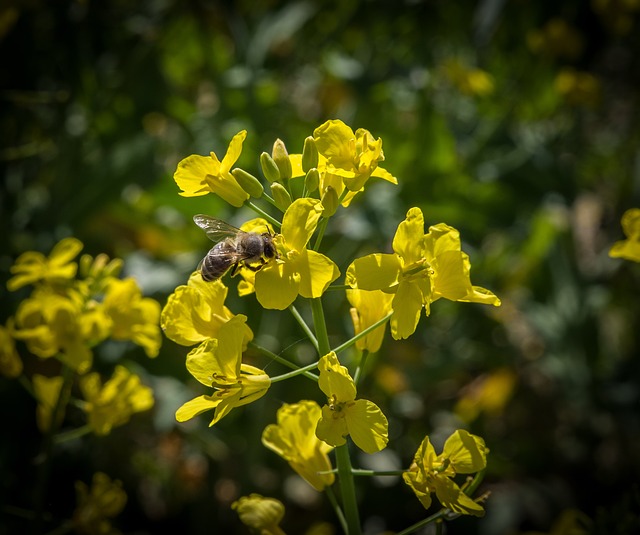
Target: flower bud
{"type": "Point", "coordinates": [329, 201]}
{"type": "Point", "coordinates": [269, 167]}
{"type": "Point", "coordinates": [248, 182]}
{"type": "Point", "coordinates": [309, 154]}
{"type": "Point", "coordinates": [312, 180]}
{"type": "Point", "coordinates": [281, 157]}
{"type": "Point", "coordinates": [280, 196]}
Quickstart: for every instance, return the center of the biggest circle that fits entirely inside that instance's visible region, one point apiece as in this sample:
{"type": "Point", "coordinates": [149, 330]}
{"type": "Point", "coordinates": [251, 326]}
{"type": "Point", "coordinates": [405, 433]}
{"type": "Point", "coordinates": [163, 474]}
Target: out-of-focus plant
{"type": "Point", "coordinates": [335, 168]}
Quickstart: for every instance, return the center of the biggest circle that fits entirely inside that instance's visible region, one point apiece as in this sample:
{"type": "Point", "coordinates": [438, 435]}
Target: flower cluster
{"type": "Point", "coordinates": [304, 191]}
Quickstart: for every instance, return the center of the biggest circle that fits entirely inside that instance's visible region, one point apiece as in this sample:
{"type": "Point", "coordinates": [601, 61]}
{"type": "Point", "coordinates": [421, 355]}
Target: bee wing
{"type": "Point", "coordinates": [215, 229]}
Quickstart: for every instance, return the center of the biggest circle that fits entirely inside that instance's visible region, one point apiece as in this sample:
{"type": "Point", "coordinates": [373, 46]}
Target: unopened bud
{"type": "Point", "coordinates": [309, 154]}
{"type": "Point", "coordinates": [281, 157]}
{"type": "Point", "coordinates": [248, 182]}
{"type": "Point", "coordinates": [312, 180]}
{"type": "Point", "coordinates": [269, 168]}
{"type": "Point", "coordinates": [329, 202]}
{"type": "Point", "coordinates": [280, 196]}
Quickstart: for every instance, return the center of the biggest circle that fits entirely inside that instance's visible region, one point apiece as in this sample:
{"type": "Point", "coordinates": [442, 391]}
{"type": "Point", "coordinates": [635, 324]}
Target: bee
{"type": "Point", "coordinates": [234, 248]}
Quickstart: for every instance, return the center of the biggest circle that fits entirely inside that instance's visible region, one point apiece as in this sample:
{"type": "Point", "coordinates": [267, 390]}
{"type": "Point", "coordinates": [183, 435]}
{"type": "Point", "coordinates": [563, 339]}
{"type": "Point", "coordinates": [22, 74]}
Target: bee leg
{"type": "Point", "coordinates": [234, 268]}
{"type": "Point", "coordinates": [256, 268]}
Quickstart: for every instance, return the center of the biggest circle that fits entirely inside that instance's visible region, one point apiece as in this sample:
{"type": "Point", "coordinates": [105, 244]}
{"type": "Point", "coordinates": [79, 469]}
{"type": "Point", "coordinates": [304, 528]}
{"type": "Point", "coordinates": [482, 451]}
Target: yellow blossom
{"type": "Point", "coordinates": [217, 363]}
{"type": "Point", "coordinates": [195, 312]}
{"type": "Point", "coordinates": [199, 175]}
{"type": "Point", "coordinates": [261, 515]}
{"type": "Point", "coordinates": [422, 269]}
{"type": "Point", "coordinates": [489, 393]}
{"type": "Point", "coordinates": [112, 404]}
{"type": "Point", "coordinates": [134, 317]}
{"type": "Point", "coordinates": [96, 505]}
{"type": "Point", "coordinates": [344, 415]}
{"type": "Point", "coordinates": [47, 390]}
{"type": "Point", "coordinates": [368, 307]}
{"type": "Point", "coordinates": [10, 363]}
{"type": "Point", "coordinates": [32, 267]}
{"type": "Point", "coordinates": [298, 271]}
{"type": "Point", "coordinates": [294, 439]}
{"type": "Point", "coordinates": [628, 249]}
{"type": "Point", "coordinates": [463, 453]}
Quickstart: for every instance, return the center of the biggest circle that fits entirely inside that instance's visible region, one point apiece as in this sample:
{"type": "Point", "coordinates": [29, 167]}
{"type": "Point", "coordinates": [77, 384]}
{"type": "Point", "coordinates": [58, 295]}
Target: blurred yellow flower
{"type": "Point", "coordinates": [369, 307]}
{"type": "Point", "coordinates": [195, 313]}
{"type": "Point", "coordinates": [463, 453]}
{"type": "Point", "coordinates": [298, 271]}
{"type": "Point", "coordinates": [134, 317]}
{"type": "Point", "coordinates": [47, 390]}
{"type": "Point", "coordinates": [489, 393]}
{"type": "Point", "coordinates": [217, 363]}
{"type": "Point", "coordinates": [344, 415]}
{"type": "Point", "coordinates": [468, 80]}
{"type": "Point", "coordinates": [556, 39]}
{"type": "Point", "coordinates": [422, 269]}
{"type": "Point", "coordinates": [198, 175]}
{"type": "Point", "coordinates": [261, 515]}
{"type": "Point", "coordinates": [10, 363]}
{"type": "Point", "coordinates": [294, 439]}
{"type": "Point", "coordinates": [577, 87]}
{"type": "Point", "coordinates": [32, 267]}
{"type": "Point", "coordinates": [96, 505]}
{"type": "Point", "coordinates": [628, 249]}
{"type": "Point", "coordinates": [112, 404]}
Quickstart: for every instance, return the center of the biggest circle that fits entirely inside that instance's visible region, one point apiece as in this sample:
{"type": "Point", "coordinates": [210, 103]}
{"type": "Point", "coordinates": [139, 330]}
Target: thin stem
{"type": "Point", "coordinates": [363, 360]}
{"type": "Point", "coordinates": [321, 326]}
{"type": "Point", "coordinates": [297, 369]}
{"type": "Point", "coordinates": [307, 330]}
{"type": "Point", "coordinates": [72, 434]}
{"type": "Point", "coordinates": [360, 472]}
{"type": "Point", "coordinates": [362, 333]}
{"type": "Point", "coordinates": [269, 199]}
{"type": "Point", "coordinates": [348, 489]}
{"type": "Point", "coordinates": [433, 518]}
{"type": "Point", "coordinates": [336, 507]}
{"type": "Point", "coordinates": [264, 214]}
{"type": "Point", "coordinates": [322, 226]}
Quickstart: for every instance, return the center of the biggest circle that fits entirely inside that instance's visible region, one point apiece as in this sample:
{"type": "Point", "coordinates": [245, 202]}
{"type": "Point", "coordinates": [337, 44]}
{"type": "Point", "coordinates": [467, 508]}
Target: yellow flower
{"type": "Point", "coordinates": [217, 363]}
{"type": "Point", "coordinates": [346, 160]}
{"type": "Point", "coordinates": [10, 363]}
{"type": "Point", "coordinates": [134, 317]}
{"type": "Point", "coordinates": [629, 249]}
{"type": "Point", "coordinates": [195, 313]}
{"type": "Point", "coordinates": [47, 390]}
{"type": "Point", "coordinates": [32, 266]}
{"type": "Point", "coordinates": [489, 393]}
{"type": "Point", "coordinates": [199, 175]}
{"type": "Point", "coordinates": [463, 453]}
{"type": "Point", "coordinates": [369, 307]}
{"type": "Point", "coordinates": [422, 269]}
{"type": "Point", "coordinates": [105, 499]}
{"type": "Point", "coordinates": [298, 271]}
{"type": "Point", "coordinates": [578, 87]}
{"type": "Point", "coordinates": [112, 404]}
{"type": "Point", "coordinates": [54, 325]}
{"type": "Point", "coordinates": [470, 81]}
{"type": "Point", "coordinates": [344, 415]}
{"type": "Point", "coordinates": [261, 515]}
{"type": "Point", "coordinates": [294, 439]}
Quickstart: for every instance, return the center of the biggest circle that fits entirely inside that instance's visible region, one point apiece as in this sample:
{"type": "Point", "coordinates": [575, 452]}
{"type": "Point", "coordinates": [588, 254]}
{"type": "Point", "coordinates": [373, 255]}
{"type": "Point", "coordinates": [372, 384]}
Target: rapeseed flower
{"type": "Point", "coordinates": [96, 505]}
{"type": "Point", "coordinates": [345, 415]}
{"type": "Point", "coordinates": [463, 453]}
{"type": "Point", "coordinates": [33, 267]}
{"type": "Point", "coordinates": [422, 269]}
{"type": "Point", "coordinates": [368, 307]}
{"type": "Point", "coordinates": [217, 363]}
{"type": "Point", "coordinates": [198, 175]}
{"type": "Point", "coordinates": [298, 270]}
{"type": "Point", "coordinates": [47, 391]}
{"type": "Point", "coordinates": [295, 440]}
{"type": "Point", "coordinates": [261, 515]}
{"type": "Point", "coordinates": [10, 363]}
{"type": "Point", "coordinates": [113, 403]}
{"type": "Point", "coordinates": [628, 249]}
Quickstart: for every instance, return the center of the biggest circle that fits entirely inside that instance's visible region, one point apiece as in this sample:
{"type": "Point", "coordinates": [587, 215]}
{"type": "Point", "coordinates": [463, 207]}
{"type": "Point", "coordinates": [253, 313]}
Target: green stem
{"type": "Point", "coordinates": [73, 434]}
{"type": "Point", "coordinates": [362, 333]}
{"type": "Point", "coordinates": [297, 369]}
{"type": "Point", "coordinates": [304, 326]}
{"type": "Point", "coordinates": [264, 214]}
{"type": "Point", "coordinates": [270, 200]}
{"type": "Point", "coordinates": [348, 489]}
{"type": "Point", "coordinates": [363, 360]}
{"type": "Point", "coordinates": [439, 516]}
{"type": "Point", "coordinates": [321, 327]}
{"type": "Point", "coordinates": [360, 472]}
{"type": "Point", "coordinates": [336, 507]}
{"type": "Point", "coordinates": [322, 226]}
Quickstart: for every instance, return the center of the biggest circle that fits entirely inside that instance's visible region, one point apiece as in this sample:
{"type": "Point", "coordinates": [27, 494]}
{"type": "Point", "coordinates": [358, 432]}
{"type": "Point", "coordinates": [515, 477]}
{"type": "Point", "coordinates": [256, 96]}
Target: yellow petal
{"type": "Point", "coordinates": [408, 240]}
{"type": "Point", "coordinates": [407, 305]}
{"type": "Point", "coordinates": [277, 285]}
{"type": "Point", "coordinates": [335, 379]}
{"type": "Point", "coordinates": [374, 272]}
{"type": "Point", "coordinates": [196, 406]}
{"type": "Point", "coordinates": [367, 426]}
{"type": "Point", "coordinates": [64, 252]}
{"type": "Point", "coordinates": [336, 142]}
{"type": "Point", "coordinates": [317, 272]}
{"type": "Point", "coordinates": [379, 172]}
{"type": "Point", "coordinates": [331, 430]}
{"type": "Point", "coordinates": [233, 152]}
{"type": "Point", "coordinates": [191, 174]}
{"type": "Point", "coordinates": [466, 452]}
{"type": "Point", "coordinates": [300, 221]}
{"type": "Point", "coordinates": [451, 496]}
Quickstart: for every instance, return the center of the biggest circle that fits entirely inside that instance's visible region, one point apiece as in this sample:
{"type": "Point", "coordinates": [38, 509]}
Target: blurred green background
{"type": "Point", "coordinates": [516, 122]}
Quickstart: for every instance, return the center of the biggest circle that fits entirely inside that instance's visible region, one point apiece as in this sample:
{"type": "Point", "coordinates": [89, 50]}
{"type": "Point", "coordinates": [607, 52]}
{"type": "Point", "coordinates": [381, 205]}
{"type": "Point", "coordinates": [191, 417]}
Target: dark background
{"type": "Point", "coordinates": [514, 121]}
